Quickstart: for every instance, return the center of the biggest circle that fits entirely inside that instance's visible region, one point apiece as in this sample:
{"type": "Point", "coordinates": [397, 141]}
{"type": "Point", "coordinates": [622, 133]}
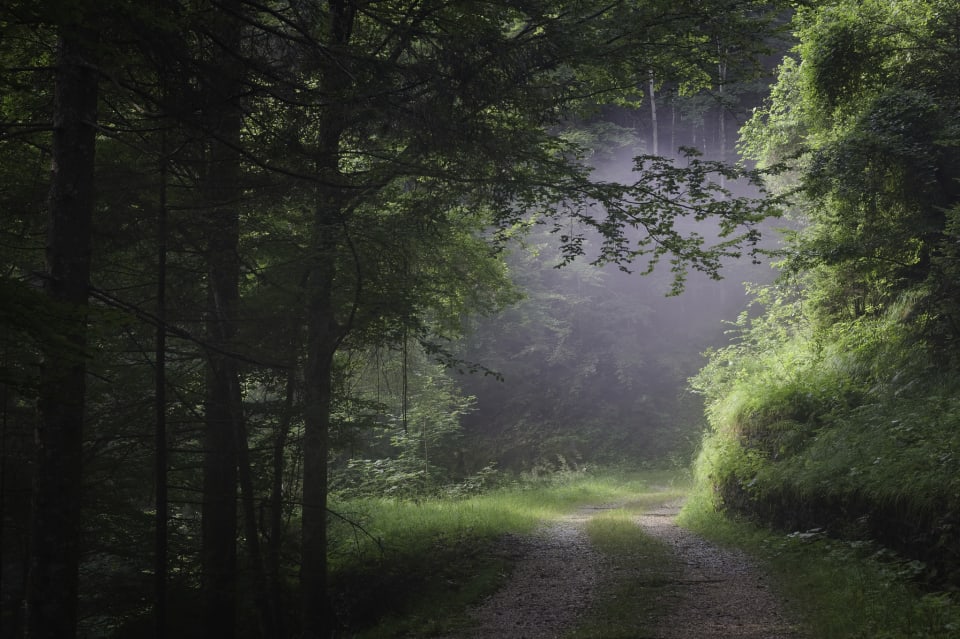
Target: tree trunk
{"type": "Point", "coordinates": [160, 411]}
{"type": "Point", "coordinates": [321, 347]}
{"type": "Point", "coordinates": [266, 614]}
{"type": "Point", "coordinates": [722, 115]}
{"type": "Point", "coordinates": [220, 189]}
{"type": "Point", "coordinates": [56, 527]}
{"type": "Point", "coordinates": [219, 520]}
{"type": "Point", "coordinates": [653, 115]}
{"type": "Point", "coordinates": [323, 332]}
{"type": "Point", "coordinates": [275, 546]}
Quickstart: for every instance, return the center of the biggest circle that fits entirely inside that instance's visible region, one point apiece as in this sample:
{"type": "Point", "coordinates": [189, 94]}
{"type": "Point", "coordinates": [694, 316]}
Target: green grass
{"type": "Point", "coordinates": [641, 590]}
{"type": "Point", "coordinates": [840, 590]}
{"type": "Point", "coordinates": [418, 565]}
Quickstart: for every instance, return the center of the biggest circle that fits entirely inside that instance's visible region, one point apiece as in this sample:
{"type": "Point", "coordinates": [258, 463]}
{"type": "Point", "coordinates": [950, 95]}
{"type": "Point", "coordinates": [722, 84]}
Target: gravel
{"type": "Point", "coordinates": [717, 594]}
{"type": "Point", "coordinates": [720, 593]}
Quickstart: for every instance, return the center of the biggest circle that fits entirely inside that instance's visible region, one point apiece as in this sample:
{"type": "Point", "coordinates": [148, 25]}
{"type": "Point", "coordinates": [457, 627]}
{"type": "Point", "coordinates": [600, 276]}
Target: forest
{"type": "Point", "coordinates": [271, 269]}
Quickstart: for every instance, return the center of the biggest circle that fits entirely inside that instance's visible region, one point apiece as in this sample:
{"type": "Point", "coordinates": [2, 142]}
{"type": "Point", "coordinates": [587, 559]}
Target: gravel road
{"type": "Point", "coordinates": [718, 593]}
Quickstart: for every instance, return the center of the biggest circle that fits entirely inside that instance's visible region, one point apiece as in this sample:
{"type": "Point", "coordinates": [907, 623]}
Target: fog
{"type": "Point", "coordinates": [595, 360]}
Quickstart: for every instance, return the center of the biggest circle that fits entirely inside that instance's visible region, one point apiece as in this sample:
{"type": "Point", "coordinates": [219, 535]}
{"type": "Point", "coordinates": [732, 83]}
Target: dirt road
{"type": "Point", "coordinates": [716, 594]}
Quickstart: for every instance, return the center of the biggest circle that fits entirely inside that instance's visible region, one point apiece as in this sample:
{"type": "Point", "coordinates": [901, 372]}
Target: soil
{"type": "Point", "coordinates": [716, 594]}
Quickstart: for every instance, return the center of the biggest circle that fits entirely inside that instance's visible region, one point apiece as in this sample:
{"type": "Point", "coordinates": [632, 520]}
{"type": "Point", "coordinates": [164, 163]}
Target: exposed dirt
{"type": "Point", "coordinates": [720, 594]}
{"type": "Point", "coordinates": [717, 594]}
{"type": "Point", "coordinates": [555, 575]}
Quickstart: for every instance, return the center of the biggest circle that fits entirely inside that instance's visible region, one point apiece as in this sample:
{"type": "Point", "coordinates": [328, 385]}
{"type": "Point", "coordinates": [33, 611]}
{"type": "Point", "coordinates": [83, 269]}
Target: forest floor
{"type": "Point", "coordinates": [711, 592]}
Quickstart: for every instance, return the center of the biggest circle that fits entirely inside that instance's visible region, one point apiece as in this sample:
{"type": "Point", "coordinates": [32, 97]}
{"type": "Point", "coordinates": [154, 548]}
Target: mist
{"type": "Point", "coordinates": [595, 360]}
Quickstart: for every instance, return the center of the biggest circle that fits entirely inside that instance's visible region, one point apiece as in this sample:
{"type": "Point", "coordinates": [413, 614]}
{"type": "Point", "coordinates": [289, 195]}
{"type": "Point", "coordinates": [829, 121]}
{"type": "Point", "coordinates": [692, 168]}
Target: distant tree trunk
{"type": "Point", "coordinates": [673, 124]}
{"type": "Point", "coordinates": [722, 117]}
{"type": "Point", "coordinates": [55, 553]}
{"type": "Point", "coordinates": [220, 189]}
{"type": "Point", "coordinates": [266, 614]}
{"type": "Point", "coordinates": [160, 411]}
{"type": "Point", "coordinates": [653, 115]}
{"type": "Point", "coordinates": [275, 546]}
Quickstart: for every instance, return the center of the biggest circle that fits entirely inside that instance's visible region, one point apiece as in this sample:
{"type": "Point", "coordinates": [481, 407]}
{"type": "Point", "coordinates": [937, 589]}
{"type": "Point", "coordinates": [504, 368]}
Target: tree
{"type": "Point", "coordinates": [358, 132]}
{"type": "Point", "coordinates": [219, 168]}
{"type": "Point", "coordinates": [55, 552]}
{"type": "Point", "coordinates": [483, 132]}
{"type": "Point", "coordinates": [864, 121]}
{"type": "Point", "coordinates": [857, 342]}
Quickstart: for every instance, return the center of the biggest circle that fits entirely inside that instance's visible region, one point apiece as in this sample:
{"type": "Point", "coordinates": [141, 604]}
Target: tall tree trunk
{"type": "Point", "coordinates": [220, 190]}
{"type": "Point", "coordinates": [160, 410]}
{"type": "Point", "coordinates": [55, 554]}
{"type": "Point", "coordinates": [653, 114]}
{"type": "Point", "coordinates": [219, 520]}
{"type": "Point", "coordinates": [673, 123]}
{"type": "Point", "coordinates": [322, 337]}
{"type": "Point", "coordinates": [722, 115]}
{"type": "Point", "coordinates": [266, 614]}
{"type": "Point", "coordinates": [275, 546]}
{"type": "Point", "coordinates": [323, 332]}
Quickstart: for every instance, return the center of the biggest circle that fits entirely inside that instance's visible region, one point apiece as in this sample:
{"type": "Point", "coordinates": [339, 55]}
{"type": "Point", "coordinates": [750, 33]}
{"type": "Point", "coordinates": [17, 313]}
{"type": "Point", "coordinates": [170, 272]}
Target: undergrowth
{"type": "Point", "coordinates": [846, 437]}
{"type": "Point", "coordinates": [412, 567]}
{"type": "Point", "coordinates": [841, 589]}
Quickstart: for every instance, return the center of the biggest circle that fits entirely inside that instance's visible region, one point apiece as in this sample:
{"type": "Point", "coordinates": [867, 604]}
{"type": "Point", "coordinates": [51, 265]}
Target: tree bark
{"type": "Point", "coordinates": [56, 526]}
{"type": "Point", "coordinates": [275, 546]}
{"type": "Point", "coordinates": [322, 334]}
{"type": "Point", "coordinates": [323, 331]}
{"type": "Point", "coordinates": [160, 411]}
{"type": "Point", "coordinates": [266, 614]}
{"type": "Point", "coordinates": [220, 189]}
{"type": "Point", "coordinates": [653, 114]}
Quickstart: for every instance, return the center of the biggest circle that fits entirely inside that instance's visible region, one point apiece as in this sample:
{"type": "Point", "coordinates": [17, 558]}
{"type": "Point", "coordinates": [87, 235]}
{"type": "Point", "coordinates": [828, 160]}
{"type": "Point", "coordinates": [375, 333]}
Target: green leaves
{"type": "Point", "coordinates": [668, 206]}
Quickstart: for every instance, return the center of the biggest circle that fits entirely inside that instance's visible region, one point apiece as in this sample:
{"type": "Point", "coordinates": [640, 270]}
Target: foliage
{"type": "Point", "coordinates": [408, 442]}
{"type": "Point", "coordinates": [308, 183]}
{"type": "Point", "coordinates": [833, 409]}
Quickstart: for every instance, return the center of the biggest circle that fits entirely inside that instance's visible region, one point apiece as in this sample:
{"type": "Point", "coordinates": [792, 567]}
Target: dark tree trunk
{"type": "Point", "coordinates": [55, 554]}
{"type": "Point", "coordinates": [266, 614]}
{"type": "Point", "coordinates": [322, 337]}
{"type": "Point", "coordinates": [275, 546]}
{"type": "Point", "coordinates": [220, 189]}
{"type": "Point", "coordinates": [160, 411]}
{"type": "Point", "coordinates": [219, 520]}
{"type": "Point", "coordinates": [654, 126]}
{"type": "Point", "coordinates": [323, 332]}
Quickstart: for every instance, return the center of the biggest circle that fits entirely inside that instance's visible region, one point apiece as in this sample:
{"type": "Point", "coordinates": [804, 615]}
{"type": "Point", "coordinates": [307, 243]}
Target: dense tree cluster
{"type": "Point", "coordinates": [246, 199]}
{"type": "Point", "coordinates": [837, 408]}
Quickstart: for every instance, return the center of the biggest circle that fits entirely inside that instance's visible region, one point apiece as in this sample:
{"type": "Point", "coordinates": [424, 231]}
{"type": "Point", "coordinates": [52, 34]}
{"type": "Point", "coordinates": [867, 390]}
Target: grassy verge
{"type": "Point", "coordinates": [416, 566]}
{"type": "Point", "coordinates": [840, 590]}
{"type": "Point", "coordinates": [640, 590]}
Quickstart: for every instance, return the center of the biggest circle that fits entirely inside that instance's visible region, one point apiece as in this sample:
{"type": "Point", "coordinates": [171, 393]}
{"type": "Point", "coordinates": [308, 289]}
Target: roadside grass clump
{"type": "Point", "coordinates": [641, 590]}
{"type": "Point", "coordinates": [840, 589]}
{"type": "Point", "coordinates": [411, 567]}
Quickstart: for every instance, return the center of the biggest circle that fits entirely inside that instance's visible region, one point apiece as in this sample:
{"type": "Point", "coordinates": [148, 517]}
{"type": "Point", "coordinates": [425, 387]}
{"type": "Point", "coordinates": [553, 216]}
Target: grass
{"type": "Point", "coordinates": [434, 561]}
{"type": "Point", "coordinates": [416, 566]}
{"type": "Point", "coordinates": [641, 589]}
{"type": "Point", "coordinates": [840, 590]}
